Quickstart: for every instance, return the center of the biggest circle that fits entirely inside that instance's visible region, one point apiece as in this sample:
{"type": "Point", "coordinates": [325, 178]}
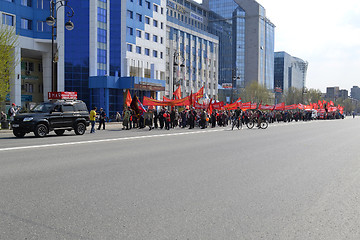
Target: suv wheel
{"type": "Point", "coordinates": [18, 134]}
{"type": "Point", "coordinates": [80, 128]}
{"type": "Point", "coordinates": [59, 132]}
{"type": "Point", "coordinates": [41, 130]}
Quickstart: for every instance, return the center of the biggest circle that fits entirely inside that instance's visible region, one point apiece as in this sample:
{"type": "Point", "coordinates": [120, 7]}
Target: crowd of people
{"type": "Point", "coordinates": [191, 118]}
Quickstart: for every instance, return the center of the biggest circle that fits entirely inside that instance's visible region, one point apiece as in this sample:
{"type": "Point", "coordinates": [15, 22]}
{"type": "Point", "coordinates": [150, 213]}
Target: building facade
{"type": "Point", "coordinates": [32, 78]}
{"type": "Point", "coordinates": [122, 48]}
{"type": "Point", "coordinates": [355, 92]}
{"type": "Point", "coordinates": [289, 72]}
{"type": "Point", "coordinates": [248, 37]}
{"type": "Point", "coordinates": [191, 51]}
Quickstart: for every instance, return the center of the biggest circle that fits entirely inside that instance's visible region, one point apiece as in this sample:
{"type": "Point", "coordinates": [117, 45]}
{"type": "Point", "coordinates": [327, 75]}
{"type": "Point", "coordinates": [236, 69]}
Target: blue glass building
{"type": "Point", "coordinates": [116, 46]}
{"type": "Point", "coordinates": [248, 37]}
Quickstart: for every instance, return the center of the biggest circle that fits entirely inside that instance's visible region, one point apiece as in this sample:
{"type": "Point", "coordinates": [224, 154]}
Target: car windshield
{"type": "Point", "coordinates": [44, 107]}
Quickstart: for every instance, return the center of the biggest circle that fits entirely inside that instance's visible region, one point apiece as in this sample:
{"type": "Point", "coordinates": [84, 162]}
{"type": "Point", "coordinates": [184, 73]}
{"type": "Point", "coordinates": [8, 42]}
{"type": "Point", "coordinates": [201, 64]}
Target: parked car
{"type": "Point", "coordinates": [57, 116]}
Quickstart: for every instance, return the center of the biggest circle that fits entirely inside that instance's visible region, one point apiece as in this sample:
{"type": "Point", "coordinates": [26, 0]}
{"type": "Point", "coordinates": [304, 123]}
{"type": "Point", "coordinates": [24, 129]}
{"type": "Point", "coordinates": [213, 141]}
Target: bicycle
{"type": "Point", "coordinates": [263, 124]}
{"type": "Point", "coordinates": [236, 122]}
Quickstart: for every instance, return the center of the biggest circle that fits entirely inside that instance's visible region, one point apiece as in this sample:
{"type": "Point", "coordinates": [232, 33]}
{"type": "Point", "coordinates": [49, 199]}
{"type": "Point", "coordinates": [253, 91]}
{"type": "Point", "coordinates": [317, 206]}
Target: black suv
{"type": "Point", "coordinates": [58, 116]}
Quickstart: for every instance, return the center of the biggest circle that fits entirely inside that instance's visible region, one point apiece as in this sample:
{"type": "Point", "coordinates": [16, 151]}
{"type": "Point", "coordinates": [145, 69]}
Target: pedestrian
{"type": "Point", "coordinates": [203, 117]}
{"type": "Point", "coordinates": [126, 119]}
{"type": "Point", "coordinates": [149, 119]}
{"type": "Point", "coordinates": [13, 111]}
{"type": "Point", "coordinates": [93, 119]}
{"type": "Point", "coordinates": [3, 116]}
{"type": "Point", "coordinates": [102, 117]}
{"type": "Point", "coordinates": [118, 117]}
{"type": "Point", "coordinates": [166, 116]}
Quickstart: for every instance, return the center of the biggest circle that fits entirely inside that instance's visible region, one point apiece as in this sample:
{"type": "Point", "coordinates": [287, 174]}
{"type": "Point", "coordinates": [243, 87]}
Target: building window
{"type": "Point", "coordinates": [155, 53]}
{"type": "Point", "coordinates": [155, 38]}
{"type": "Point", "coordinates": [8, 19]}
{"type": "Point", "coordinates": [140, 2]}
{"type": "Point", "coordinates": [155, 23]}
{"type": "Point", "coordinates": [138, 33]}
{"type": "Point", "coordinates": [26, 24]}
{"type": "Point", "coordinates": [101, 56]}
{"type": "Point", "coordinates": [161, 40]}
{"type": "Point", "coordinates": [101, 35]}
{"type": "Point", "coordinates": [101, 15]}
{"type": "Point", "coordinates": [147, 20]}
{"type": "Point", "coordinates": [161, 25]}
{"type": "Point", "coordinates": [139, 17]}
{"type": "Point", "coordinates": [26, 3]}
{"type": "Point", "coordinates": [156, 8]}
{"type": "Point", "coordinates": [147, 36]}
{"type": "Point", "coordinates": [129, 48]}
{"type": "Point", "coordinates": [147, 3]}
{"type": "Point", "coordinates": [138, 49]}
{"type": "Point", "coordinates": [161, 55]}
{"type": "Point", "coordinates": [130, 31]}
{"type": "Point", "coordinates": [147, 52]}
{"type": "Point", "coordinates": [162, 10]}
{"type": "Point", "coordinates": [40, 4]}
{"type": "Point", "coordinates": [130, 14]}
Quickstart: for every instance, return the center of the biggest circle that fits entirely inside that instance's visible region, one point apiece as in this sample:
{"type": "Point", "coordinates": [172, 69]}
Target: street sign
{"type": "Point", "coordinates": [62, 95]}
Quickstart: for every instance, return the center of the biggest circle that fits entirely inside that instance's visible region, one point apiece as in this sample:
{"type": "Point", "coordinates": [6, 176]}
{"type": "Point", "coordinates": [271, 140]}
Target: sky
{"type": "Point", "coordinates": [325, 33]}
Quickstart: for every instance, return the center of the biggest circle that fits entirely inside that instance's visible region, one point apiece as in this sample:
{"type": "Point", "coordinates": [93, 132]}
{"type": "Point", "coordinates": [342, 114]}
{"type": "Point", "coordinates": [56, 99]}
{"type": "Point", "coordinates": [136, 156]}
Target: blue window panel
{"type": "Point", "coordinates": [147, 52]}
{"type": "Point", "coordinates": [8, 19]}
{"type": "Point", "coordinates": [102, 35]}
{"type": "Point", "coordinates": [101, 15]}
{"type": "Point", "coordinates": [147, 36]}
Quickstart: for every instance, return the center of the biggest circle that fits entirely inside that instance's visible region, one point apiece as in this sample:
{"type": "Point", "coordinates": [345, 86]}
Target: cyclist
{"type": "Point", "coordinates": [237, 116]}
{"type": "Point", "coordinates": [259, 115]}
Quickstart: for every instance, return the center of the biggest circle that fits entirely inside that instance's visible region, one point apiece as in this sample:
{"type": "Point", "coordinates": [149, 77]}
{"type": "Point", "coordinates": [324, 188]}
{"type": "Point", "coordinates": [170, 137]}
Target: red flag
{"type": "Point", "coordinates": [177, 93]}
{"type": "Point", "coordinates": [200, 93]}
{"type": "Point", "coordinates": [210, 107]}
{"type": "Point", "coordinates": [128, 98]}
{"type": "Point", "coordinates": [331, 103]}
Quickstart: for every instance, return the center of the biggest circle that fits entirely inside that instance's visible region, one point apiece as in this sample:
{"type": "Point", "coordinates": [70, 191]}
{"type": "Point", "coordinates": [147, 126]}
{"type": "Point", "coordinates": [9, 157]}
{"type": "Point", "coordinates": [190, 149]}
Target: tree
{"type": "Point", "coordinates": [255, 92]}
{"type": "Point", "coordinates": [312, 95]}
{"type": "Point", "coordinates": [293, 96]}
{"type": "Point", "coordinates": [8, 61]}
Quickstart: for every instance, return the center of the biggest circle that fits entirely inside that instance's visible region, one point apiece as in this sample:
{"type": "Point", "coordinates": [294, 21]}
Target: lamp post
{"type": "Point", "coordinates": [234, 79]}
{"type": "Point", "coordinates": [52, 21]}
{"type": "Point", "coordinates": [175, 63]}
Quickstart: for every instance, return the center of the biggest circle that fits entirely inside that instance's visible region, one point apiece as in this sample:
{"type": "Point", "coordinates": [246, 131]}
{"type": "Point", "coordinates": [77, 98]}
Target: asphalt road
{"type": "Point", "coordinates": [290, 181]}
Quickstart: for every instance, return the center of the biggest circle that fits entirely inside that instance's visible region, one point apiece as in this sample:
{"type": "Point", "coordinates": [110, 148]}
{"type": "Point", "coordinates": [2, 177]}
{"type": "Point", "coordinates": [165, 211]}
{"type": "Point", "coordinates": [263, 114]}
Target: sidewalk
{"type": "Point", "coordinates": [108, 125]}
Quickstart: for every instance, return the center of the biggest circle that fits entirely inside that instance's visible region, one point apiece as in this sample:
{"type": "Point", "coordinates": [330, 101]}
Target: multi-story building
{"type": "Point", "coordinates": [191, 51]}
{"type": "Point", "coordinates": [32, 78]}
{"type": "Point", "coordinates": [332, 92]}
{"type": "Point", "coordinates": [355, 92]}
{"type": "Point", "coordinates": [289, 72]}
{"type": "Point", "coordinates": [116, 46]}
{"type": "Point", "coordinates": [246, 42]}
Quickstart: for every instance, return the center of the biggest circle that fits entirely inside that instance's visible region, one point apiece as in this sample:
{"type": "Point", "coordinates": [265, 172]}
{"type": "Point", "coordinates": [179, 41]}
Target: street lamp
{"type": "Point", "coordinates": [175, 63]}
{"type": "Point", "coordinates": [235, 79]}
{"type": "Point", "coordinates": [51, 21]}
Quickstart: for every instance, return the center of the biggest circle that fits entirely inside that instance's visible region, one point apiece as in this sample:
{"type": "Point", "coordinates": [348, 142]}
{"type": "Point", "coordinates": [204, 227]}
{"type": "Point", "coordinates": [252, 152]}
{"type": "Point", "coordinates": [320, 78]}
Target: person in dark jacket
{"type": "Point", "coordinates": [102, 117]}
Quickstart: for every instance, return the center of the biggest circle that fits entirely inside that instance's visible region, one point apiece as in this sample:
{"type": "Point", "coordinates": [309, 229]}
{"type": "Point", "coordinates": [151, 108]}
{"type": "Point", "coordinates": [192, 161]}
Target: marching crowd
{"type": "Point", "coordinates": [191, 118]}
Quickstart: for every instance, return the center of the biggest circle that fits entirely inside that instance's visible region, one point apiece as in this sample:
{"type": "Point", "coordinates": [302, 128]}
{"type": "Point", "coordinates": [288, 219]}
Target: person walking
{"type": "Point", "coordinates": [102, 117]}
{"type": "Point", "coordinates": [93, 119]}
{"type": "Point", "coordinates": [126, 119]}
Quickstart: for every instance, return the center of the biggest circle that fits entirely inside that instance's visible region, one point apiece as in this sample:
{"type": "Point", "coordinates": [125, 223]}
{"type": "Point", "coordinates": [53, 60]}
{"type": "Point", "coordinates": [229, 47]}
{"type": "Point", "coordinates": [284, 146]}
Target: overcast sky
{"type": "Point", "coordinates": [325, 33]}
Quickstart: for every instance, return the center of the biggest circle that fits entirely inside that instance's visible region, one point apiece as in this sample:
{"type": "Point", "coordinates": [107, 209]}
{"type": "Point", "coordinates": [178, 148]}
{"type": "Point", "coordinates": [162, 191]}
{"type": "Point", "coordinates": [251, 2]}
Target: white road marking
{"type": "Point", "coordinates": [105, 140]}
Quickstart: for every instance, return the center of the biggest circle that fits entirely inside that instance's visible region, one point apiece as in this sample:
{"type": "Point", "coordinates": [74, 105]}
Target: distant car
{"type": "Point", "coordinates": [53, 116]}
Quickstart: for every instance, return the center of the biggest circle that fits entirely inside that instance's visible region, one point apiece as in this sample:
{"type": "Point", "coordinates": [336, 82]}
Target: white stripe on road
{"type": "Point", "coordinates": [104, 140]}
